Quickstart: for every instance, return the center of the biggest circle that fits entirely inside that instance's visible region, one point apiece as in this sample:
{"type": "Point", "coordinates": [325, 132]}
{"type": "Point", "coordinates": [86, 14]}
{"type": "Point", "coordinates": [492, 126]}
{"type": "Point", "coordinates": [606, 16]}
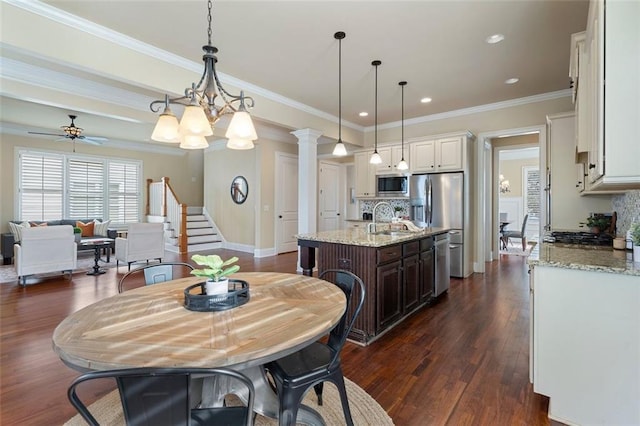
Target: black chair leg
{"type": "Point", "coordinates": [318, 389]}
{"type": "Point", "coordinates": [289, 401]}
{"type": "Point", "coordinates": [338, 379]}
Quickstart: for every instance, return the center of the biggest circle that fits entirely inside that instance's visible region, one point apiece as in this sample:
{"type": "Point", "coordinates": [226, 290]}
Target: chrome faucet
{"type": "Point", "coordinates": [371, 227]}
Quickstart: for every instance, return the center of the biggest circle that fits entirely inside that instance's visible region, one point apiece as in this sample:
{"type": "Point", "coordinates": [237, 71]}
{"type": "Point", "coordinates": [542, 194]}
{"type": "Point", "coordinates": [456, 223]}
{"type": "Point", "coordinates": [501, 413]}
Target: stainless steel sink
{"type": "Point", "coordinates": [393, 233]}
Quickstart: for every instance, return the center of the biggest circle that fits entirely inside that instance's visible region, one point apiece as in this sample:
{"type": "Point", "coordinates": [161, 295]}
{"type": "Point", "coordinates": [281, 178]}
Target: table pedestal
{"type": "Point", "coordinates": [266, 401]}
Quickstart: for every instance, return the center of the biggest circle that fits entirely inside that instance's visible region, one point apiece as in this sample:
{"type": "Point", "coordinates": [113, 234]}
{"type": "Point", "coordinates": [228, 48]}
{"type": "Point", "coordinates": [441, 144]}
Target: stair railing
{"type": "Point", "coordinates": [162, 201]}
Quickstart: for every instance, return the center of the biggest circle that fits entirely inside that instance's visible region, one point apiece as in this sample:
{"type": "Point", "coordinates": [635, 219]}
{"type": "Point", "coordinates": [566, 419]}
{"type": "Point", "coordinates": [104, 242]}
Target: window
{"type": "Point", "coordinates": [40, 186]}
{"type": "Point", "coordinates": [55, 186]}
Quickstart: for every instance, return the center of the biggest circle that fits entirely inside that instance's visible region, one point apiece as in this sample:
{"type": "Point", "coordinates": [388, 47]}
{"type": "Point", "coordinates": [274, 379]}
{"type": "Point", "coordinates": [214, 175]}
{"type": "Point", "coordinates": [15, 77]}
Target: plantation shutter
{"type": "Point", "coordinates": [40, 186]}
{"type": "Point", "coordinates": [124, 192]}
{"type": "Point", "coordinates": [86, 189]}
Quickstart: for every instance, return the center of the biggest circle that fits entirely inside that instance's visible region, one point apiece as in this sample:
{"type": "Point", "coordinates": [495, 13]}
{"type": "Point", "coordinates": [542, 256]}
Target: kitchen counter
{"type": "Point", "coordinates": [584, 257]}
{"type": "Point", "coordinates": [359, 237]}
{"type": "Point", "coordinates": [402, 271]}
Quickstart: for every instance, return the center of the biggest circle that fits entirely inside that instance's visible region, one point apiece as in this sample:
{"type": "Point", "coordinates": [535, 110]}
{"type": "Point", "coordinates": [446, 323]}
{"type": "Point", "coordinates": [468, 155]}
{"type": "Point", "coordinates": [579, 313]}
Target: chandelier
{"type": "Point", "coordinates": [201, 112]}
{"type": "Point", "coordinates": [504, 185]}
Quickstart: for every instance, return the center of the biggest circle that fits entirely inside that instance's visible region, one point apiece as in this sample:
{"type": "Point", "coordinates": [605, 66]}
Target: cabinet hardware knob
{"type": "Point", "coordinates": [592, 166]}
{"type": "Point", "coordinates": [279, 216]}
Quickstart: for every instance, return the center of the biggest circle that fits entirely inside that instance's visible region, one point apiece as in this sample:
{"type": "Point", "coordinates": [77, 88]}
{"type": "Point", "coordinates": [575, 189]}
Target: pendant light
{"type": "Point", "coordinates": [402, 165]}
{"type": "Point", "coordinates": [375, 157]}
{"type": "Point", "coordinates": [339, 150]}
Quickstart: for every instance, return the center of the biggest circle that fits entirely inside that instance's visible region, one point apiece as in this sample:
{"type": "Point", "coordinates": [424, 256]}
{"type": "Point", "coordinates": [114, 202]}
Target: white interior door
{"type": "Point", "coordinates": [286, 202]}
{"type": "Point", "coordinates": [328, 197]}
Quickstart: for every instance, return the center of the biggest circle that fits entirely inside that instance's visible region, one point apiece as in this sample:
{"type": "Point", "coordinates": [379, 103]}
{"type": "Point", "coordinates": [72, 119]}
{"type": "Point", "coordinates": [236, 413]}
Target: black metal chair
{"type": "Point", "coordinates": [319, 362]}
{"type": "Point", "coordinates": [154, 274]}
{"type": "Point", "coordinates": [162, 397]}
{"type": "Point", "coordinates": [518, 234]}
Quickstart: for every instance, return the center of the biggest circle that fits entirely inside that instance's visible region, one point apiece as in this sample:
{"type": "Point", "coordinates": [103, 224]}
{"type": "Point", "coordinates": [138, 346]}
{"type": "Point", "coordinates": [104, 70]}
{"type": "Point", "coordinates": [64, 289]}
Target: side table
{"type": "Point", "coordinates": [97, 244]}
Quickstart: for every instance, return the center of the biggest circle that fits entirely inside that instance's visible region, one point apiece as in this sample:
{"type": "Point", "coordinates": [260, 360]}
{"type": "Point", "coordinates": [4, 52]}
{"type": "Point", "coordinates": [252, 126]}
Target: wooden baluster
{"type": "Point", "coordinates": [182, 238]}
{"type": "Point", "coordinates": [165, 183]}
{"type": "Point", "coordinates": [148, 211]}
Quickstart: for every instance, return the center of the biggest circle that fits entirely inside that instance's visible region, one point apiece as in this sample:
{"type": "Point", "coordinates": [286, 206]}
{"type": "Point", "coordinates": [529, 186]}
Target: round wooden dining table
{"type": "Point", "coordinates": [150, 327]}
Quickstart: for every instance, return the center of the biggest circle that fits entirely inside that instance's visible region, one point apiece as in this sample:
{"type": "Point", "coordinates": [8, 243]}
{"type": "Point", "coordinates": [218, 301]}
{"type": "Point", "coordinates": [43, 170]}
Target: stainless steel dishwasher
{"type": "Point", "coordinates": [441, 244]}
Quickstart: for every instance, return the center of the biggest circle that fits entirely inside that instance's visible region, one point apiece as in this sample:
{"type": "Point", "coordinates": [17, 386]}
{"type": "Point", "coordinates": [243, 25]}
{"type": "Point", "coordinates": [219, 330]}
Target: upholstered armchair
{"type": "Point", "coordinates": [144, 241]}
{"type": "Point", "coordinates": [45, 249]}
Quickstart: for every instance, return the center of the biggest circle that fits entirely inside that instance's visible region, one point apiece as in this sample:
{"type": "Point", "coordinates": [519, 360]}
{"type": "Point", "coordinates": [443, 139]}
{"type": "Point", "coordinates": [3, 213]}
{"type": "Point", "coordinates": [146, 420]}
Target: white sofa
{"type": "Point", "coordinates": [144, 241]}
{"type": "Point", "coordinates": [45, 249]}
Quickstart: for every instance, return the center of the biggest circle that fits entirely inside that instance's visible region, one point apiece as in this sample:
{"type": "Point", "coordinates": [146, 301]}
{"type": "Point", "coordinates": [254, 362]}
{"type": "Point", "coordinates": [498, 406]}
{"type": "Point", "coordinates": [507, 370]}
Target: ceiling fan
{"type": "Point", "coordinates": [73, 132]}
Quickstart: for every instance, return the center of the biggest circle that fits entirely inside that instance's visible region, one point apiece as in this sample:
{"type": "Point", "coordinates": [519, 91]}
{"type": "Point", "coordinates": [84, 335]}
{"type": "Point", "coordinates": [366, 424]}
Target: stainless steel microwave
{"type": "Point", "coordinates": [392, 185]}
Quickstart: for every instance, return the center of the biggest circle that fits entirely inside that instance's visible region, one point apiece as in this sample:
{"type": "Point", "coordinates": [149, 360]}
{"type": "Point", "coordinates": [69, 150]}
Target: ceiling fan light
{"type": "Point", "coordinates": [340, 150]}
{"type": "Point", "coordinates": [194, 142]}
{"type": "Point", "coordinates": [167, 128]}
{"type": "Point", "coordinates": [375, 158]}
{"type": "Point", "coordinates": [241, 127]}
{"type": "Point", "coordinates": [240, 144]}
{"type": "Point", "coordinates": [194, 121]}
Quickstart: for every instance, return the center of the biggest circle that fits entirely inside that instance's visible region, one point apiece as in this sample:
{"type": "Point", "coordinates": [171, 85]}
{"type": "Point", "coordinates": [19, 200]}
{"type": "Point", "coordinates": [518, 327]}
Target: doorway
{"type": "Point", "coordinates": [487, 198]}
{"type": "Point", "coordinates": [286, 203]}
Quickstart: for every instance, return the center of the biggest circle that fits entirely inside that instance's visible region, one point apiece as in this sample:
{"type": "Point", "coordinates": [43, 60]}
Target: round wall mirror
{"type": "Point", "coordinates": [239, 189]}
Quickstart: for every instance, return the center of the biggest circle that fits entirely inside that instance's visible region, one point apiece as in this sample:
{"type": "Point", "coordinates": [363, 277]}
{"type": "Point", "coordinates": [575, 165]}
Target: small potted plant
{"type": "Point", "coordinates": [216, 272]}
{"type": "Point", "coordinates": [597, 224]}
{"type": "Point", "coordinates": [397, 210]}
{"type": "Point", "coordinates": [635, 239]}
{"type": "Point", "coordinates": [77, 233]}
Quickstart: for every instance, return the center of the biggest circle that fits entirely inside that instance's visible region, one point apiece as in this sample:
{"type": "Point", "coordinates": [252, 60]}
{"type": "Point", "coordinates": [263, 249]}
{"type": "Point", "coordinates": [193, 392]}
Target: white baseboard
{"type": "Point", "coordinates": [265, 252]}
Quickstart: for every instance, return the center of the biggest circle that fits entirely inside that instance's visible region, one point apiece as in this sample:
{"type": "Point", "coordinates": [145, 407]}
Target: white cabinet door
{"type": "Point", "coordinates": [438, 155]}
{"type": "Point", "coordinates": [386, 166]}
{"type": "Point", "coordinates": [365, 175]}
{"type": "Point", "coordinates": [396, 156]}
{"type": "Point", "coordinates": [449, 154]}
{"type": "Point", "coordinates": [423, 156]}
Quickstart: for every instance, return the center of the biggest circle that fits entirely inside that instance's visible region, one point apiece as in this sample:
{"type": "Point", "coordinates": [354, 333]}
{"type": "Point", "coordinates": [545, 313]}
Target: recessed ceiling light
{"type": "Point", "coordinates": [493, 39]}
{"type": "Point", "coordinates": [363, 114]}
{"type": "Point", "coordinates": [511, 80]}
{"type": "Point", "coordinates": [425, 100]}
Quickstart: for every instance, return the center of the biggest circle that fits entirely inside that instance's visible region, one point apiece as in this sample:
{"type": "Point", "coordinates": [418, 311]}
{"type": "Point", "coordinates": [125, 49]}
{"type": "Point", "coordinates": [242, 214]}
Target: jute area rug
{"type": "Point", "coordinates": [364, 409]}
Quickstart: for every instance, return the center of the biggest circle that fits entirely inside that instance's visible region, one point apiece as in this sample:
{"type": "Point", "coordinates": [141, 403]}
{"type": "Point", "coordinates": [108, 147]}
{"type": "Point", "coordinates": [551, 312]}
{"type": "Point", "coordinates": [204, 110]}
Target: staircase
{"type": "Point", "coordinates": [187, 229]}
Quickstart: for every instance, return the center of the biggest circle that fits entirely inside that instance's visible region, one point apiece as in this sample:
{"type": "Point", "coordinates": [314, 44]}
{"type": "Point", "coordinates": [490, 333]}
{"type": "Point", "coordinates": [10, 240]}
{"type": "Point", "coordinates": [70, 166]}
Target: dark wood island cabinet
{"type": "Point", "coordinates": [398, 272]}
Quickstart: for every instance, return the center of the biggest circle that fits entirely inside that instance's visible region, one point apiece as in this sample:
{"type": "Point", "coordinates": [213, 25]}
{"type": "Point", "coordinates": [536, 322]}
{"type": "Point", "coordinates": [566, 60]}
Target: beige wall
{"type": "Point", "coordinates": [182, 169]}
{"type": "Point", "coordinates": [512, 171]}
{"type": "Point", "coordinates": [250, 224]}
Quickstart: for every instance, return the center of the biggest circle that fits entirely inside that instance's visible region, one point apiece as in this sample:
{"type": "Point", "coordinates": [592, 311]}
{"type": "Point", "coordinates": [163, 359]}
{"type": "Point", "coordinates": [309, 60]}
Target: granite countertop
{"type": "Point", "coordinates": [359, 237]}
{"type": "Point", "coordinates": [586, 258]}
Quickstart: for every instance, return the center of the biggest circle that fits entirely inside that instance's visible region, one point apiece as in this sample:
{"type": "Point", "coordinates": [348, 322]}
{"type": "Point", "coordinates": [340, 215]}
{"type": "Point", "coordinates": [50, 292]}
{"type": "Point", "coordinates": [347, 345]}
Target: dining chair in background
{"type": "Point", "coordinates": [162, 397]}
{"type": "Point", "coordinates": [518, 234]}
{"type": "Point", "coordinates": [154, 274]}
{"type": "Point", "coordinates": [319, 362]}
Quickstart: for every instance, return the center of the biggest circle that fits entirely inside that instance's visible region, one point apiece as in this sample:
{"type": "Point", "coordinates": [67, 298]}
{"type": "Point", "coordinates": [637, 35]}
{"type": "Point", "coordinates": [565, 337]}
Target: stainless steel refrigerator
{"type": "Point", "coordinates": [437, 200]}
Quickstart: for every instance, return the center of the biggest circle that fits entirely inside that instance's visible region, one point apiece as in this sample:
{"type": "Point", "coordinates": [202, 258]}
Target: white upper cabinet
{"type": "Point", "coordinates": [608, 96]}
{"type": "Point", "coordinates": [437, 155]}
{"type": "Point", "coordinates": [365, 175]}
{"type": "Point", "coordinates": [391, 156]}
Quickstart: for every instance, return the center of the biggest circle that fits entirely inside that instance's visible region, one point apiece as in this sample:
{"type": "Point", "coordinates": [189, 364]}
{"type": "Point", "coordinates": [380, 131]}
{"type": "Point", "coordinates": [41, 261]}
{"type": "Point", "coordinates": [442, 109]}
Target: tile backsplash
{"type": "Point", "coordinates": [384, 213]}
{"type": "Point", "coordinates": [627, 206]}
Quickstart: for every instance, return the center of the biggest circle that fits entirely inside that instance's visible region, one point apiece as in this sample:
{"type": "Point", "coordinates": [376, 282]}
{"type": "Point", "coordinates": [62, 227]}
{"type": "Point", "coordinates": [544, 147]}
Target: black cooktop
{"type": "Point", "coordinates": [584, 238]}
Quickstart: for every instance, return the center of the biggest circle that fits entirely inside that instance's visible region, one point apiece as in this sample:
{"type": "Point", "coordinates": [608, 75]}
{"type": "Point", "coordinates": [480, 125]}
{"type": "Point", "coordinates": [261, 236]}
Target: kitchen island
{"type": "Point", "coordinates": [399, 269]}
{"type": "Point", "coordinates": [585, 333]}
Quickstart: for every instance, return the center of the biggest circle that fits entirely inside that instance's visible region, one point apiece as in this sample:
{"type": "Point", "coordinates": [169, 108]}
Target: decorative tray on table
{"type": "Point", "coordinates": [195, 298]}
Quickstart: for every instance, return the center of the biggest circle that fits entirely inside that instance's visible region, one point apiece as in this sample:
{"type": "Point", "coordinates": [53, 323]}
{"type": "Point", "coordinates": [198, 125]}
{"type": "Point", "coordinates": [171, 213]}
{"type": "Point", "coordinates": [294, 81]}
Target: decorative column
{"type": "Point", "coordinates": [307, 189]}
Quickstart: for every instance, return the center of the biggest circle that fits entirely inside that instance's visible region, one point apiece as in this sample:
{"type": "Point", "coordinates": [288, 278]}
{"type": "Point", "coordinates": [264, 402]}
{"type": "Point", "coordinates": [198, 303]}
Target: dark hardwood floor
{"type": "Point", "coordinates": [462, 361]}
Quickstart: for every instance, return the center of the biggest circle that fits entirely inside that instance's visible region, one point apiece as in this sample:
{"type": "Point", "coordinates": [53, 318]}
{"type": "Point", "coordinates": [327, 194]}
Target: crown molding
{"type": "Point", "coordinates": [475, 110]}
{"type": "Point", "coordinates": [84, 25]}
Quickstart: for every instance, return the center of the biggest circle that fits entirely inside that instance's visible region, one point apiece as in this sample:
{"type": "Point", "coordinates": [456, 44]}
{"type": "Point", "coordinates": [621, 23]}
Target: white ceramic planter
{"type": "Point", "coordinates": [216, 287]}
{"type": "Point", "coordinates": [636, 253]}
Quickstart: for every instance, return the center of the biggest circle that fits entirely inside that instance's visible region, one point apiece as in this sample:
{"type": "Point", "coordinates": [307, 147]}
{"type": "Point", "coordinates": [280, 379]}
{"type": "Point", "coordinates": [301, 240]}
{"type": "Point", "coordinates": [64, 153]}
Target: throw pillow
{"type": "Point", "coordinates": [87, 228]}
{"type": "Point", "coordinates": [16, 230]}
{"type": "Point", "coordinates": [38, 224]}
{"type": "Point", "coordinates": [100, 228]}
